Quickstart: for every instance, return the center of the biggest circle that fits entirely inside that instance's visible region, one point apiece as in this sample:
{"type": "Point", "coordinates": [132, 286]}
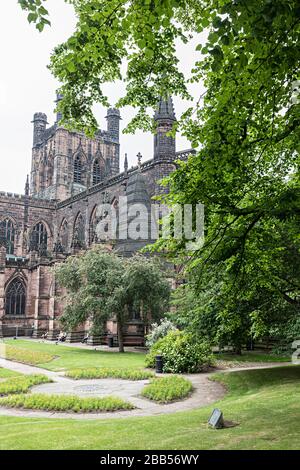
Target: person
{"type": "Point", "coordinates": [62, 336]}
{"type": "Point", "coordinates": [44, 336]}
{"type": "Point", "coordinates": [85, 339]}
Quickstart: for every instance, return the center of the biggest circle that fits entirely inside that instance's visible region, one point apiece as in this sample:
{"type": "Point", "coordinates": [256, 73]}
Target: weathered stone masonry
{"type": "Point", "coordinates": [71, 175]}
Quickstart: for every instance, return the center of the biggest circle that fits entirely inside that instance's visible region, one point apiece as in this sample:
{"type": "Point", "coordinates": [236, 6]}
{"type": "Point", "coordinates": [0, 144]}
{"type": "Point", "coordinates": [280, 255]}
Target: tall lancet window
{"type": "Point", "coordinates": [15, 298]}
{"type": "Point", "coordinates": [96, 172]}
{"type": "Point", "coordinates": [39, 238]}
{"type": "Point", "coordinates": [7, 235]}
{"type": "Point", "coordinates": [79, 232]}
{"type": "Point", "coordinates": [64, 235]}
{"type": "Point", "coordinates": [77, 170]}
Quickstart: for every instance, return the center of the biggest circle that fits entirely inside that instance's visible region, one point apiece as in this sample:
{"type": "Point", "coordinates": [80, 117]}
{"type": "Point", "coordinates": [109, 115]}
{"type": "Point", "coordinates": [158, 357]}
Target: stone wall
{"type": "Point", "coordinates": [69, 208]}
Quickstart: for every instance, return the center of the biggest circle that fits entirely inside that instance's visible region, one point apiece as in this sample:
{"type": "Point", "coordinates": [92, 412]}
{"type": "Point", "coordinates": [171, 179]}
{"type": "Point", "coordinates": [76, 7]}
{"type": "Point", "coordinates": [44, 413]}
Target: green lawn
{"type": "Point", "coordinates": [70, 357]}
{"type": "Point", "coordinates": [67, 357]}
{"type": "Point", "coordinates": [6, 373]}
{"type": "Point", "coordinates": [253, 356]}
{"type": "Point", "coordinates": [266, 403]}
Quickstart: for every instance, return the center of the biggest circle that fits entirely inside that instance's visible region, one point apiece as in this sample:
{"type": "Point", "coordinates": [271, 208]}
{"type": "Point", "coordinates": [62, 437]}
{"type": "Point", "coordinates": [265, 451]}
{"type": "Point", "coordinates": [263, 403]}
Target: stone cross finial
{"type": "Point", "coordinates": [27, 186]}
{"type": "Point", "coordinates": [126, 163]}
{"type": "Point", "coordinates": [139, 157]}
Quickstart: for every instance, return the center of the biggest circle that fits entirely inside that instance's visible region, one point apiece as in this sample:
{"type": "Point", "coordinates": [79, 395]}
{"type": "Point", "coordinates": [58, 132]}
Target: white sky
{"type": "Point", "coordinates": [27, 86]}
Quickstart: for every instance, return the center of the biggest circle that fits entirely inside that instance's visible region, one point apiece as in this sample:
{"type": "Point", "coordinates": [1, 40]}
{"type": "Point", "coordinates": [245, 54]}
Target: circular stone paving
{"type": "Point", "coordinates": [125, 389]}
{"type": "Point", "coordinates": [88, 388]}
{"type": "Point", "coordinates": [205, 392]}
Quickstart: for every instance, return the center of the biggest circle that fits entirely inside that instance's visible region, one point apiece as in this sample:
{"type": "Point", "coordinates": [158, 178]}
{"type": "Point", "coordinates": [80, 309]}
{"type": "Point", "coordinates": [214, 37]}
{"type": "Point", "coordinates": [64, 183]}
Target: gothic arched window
{"type": "Point", "coordinates": [97, 177]}
{"type": "Point", "coordinates": [39, 238]}
{"type": "Point", "coordinates": [49, 173]}
{"type": "Point", "coordinates": [77, 170]}
{"type": "Point", "coordinates": [7, 235]}
{"type": "Point", "coordinates": [92, 228]}
{"type": "Point", "coordinates": [64, 235]}
{"type": "Point", "coordinates": [15, 298]}
{"type": "Point", "coordinates": [79, 232]}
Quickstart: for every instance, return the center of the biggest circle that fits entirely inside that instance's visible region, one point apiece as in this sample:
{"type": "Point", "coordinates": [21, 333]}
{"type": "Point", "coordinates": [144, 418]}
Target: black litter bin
{"type": "Point", "coordinates": [110, 341]}
{"type": "Point", "coordinates": [159, 364]}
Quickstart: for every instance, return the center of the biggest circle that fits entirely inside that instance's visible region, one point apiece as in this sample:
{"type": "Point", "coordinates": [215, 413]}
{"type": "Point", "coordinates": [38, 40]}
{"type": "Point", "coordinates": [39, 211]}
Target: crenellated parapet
{"type": "Point", "coordinates": [65, 163]}
{"type": "Point", "coordinates": [6, 197]}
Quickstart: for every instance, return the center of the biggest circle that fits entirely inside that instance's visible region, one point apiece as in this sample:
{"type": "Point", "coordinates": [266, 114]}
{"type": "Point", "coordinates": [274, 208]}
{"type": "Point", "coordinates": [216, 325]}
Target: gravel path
{"type": "Point", "coordinates": [205, 393]}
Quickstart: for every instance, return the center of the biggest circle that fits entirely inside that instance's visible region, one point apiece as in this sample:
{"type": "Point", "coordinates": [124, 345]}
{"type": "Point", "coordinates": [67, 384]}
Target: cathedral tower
{"type": "Point", "coordinates": [164, 145]}
{"type": "Point", "coordinates": [113, 123]}
{"type": "Point", "coordinates": [39, 127]}
{"type": "Point", "coordinates": [65, 163]}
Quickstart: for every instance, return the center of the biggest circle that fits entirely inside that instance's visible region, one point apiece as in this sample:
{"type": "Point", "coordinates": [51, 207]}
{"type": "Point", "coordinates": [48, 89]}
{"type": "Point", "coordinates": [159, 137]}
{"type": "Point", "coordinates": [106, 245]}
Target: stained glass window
{"type": "Point", "coordinates": [7, 235]}
{"type": "Point", "coordinates": [15, 299]}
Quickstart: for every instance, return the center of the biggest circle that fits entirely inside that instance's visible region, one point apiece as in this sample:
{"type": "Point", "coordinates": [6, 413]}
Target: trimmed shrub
{"type": "Point", "coordinates": [22, 384]}
{"type": "Point", "coordinates": [181, 353]}
{"type": "Point", "coordinates": [158, 331]}
{"type": "Point", "coordinates": [65, 403]}
{"type": "Point", "coordinates": [103, 373]}
{"type": "Point", "coordinates": [25, 356]}
{"type": "Point", "coordinates": [168, 389]}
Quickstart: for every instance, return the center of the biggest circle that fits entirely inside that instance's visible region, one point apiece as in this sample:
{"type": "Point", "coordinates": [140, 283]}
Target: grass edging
{"type": "Point", "coordinates": [8, 373]}
{"type": "Point", "coordinates": [16, 385]}
{"type": "Point", "coordinates": [65, 403]}
{"type": "Point", "coordinates": [168, 389]}
{"type": "Point", "coordinates": [24, 356]}
{"type": "Point", "coordinates": [106, 372]}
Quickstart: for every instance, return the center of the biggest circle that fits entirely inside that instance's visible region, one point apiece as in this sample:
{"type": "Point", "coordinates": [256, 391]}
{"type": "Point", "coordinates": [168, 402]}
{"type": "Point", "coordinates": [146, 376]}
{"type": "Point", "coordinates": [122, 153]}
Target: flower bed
{"type": "Point", "coordinates": [26, 356]}
{"type": "Point", "coordinates": [65, 403]}
{"type": "Point", "coordinates": [21, 384]}
{"type": "Point", "coordinates": [168, 389]}
{"type": "Point", "coordinates": [103, 373]}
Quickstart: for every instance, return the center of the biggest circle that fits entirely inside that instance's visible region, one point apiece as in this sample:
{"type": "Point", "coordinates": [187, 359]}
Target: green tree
{"type": "Point", "coordinates": [100, 285]}
{"type": "Point", "coordinates": [245, 128]}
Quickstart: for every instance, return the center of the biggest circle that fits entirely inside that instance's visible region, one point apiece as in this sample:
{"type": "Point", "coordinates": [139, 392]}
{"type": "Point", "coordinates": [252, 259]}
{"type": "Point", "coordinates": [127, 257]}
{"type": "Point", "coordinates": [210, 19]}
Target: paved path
{"type": "Point", "coordinates": [205, 393]}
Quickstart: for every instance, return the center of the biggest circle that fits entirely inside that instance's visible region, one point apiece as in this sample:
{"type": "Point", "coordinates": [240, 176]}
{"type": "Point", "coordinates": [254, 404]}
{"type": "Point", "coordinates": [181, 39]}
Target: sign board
{"type": "Point", "coordinates": [216, 419]}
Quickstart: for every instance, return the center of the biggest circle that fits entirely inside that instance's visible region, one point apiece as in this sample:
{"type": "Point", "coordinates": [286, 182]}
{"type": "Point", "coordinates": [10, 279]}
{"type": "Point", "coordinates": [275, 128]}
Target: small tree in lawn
{"type": "Point", "coordinates": [89, 281]}
{"type": "Point", "coordinates": [146, 288]}
{"type": "Point", "coordinates": [100, 285]}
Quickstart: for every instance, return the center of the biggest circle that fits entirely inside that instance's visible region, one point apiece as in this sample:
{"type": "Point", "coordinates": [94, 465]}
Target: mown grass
{"type": "Point", "coordinates": [24, 355]}
{"type": "Point", "coordinates": [65, 403]}
{"type": "Point", "coordinates": [104, 373]}
{"type": "Point", "coordinates": [252, 356]}
{"type": "Point", "coordinates": [21, 384]}
{"type": "Point", "coordinates": [167, 389]}
{"type": "Point", "coordinates": [265, 403]}
{"type": "Point", "coordinates": [4, 373]}
{"type": "Point", "coordinates": [59, 357]}
{"type": "Point", "coordinates": [67, 357]}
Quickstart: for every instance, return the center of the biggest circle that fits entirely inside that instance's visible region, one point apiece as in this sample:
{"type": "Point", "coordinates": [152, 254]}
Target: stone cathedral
{"type": "Point", "coordinates": [56, 217]}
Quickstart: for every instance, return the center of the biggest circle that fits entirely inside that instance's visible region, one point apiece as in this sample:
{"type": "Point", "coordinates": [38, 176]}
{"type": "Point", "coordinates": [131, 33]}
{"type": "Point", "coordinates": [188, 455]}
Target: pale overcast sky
{"type": "Point", "coordinates": [27, 86]}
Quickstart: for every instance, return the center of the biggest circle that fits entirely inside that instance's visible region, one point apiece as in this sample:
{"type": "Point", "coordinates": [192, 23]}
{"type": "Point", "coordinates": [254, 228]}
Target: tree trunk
{"type": "Point", "coordinates": [120, 336]}
{"type": "Point", "coordinates": [238, 350]}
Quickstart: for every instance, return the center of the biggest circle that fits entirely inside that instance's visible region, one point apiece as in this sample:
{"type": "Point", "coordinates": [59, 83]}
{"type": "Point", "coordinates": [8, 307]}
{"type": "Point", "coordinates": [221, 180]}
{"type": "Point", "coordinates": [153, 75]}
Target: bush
{"type": "Point", "coordinates": [103, 373]}
{"type": "Point", "coordinates": [159, 331]}
{"type": "Point", "coordinates": [25, 356]}
{"type": "Point", "coordinates": [21, 384]}
{"type": "Point", "coordinates": [168, 389]}
{"type": "Point", "coordinates": [65, 403]}
{"type": "Point", "coordinates": [181, 353]}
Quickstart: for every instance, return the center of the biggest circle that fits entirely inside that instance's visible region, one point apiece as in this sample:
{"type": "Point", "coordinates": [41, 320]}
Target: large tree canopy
{"type": "Point", "coordinates": [100, 285]}
{"type": "Point", "coordinates": [245, 128]}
